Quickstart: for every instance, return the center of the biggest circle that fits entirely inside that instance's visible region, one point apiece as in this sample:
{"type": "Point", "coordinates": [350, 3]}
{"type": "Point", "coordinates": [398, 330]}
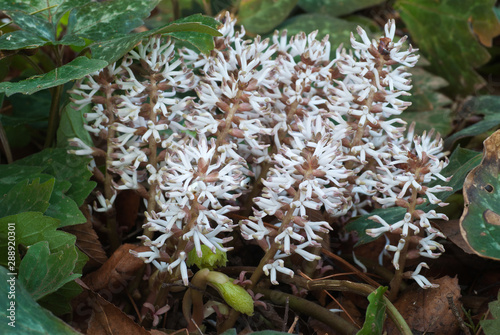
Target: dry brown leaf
{"type": "Point", "coordinates": [428, 310]}
{"type": "Point", "coordinates": [87, 241]}
{"type": "Point", "coordinates": [117, 270]}
{"type": "Point", "coordinates": [107, 319]}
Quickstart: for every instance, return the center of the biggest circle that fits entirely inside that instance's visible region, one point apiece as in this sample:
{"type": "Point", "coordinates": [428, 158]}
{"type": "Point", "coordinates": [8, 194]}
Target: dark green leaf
{"type": "Point", "coordinates": [62, 207]}
{"type": "Point", "coordinates": [375, 313]}
{"type": "Point", "coordinates": [262, 16]}
{"type": "Point", "coordinates": [30, 110]}
{"type": "Point", "coordinates": [59, 302]}
{"type": "Point", "coordinates": [43, 273]}
{"type": "Point", "coordinates": [27, 197]}
{"type": "Point", "coordinates": [76, 69]}
{"type": "Point", "coordinates": [112, 50]}
{"type": "Point", "coordinates": [31, 228]}
{"type": "Point", "coordinates": [12, 174]}
{"type": "Point", "coordinates": [65, 167]}
{"type": "Point", "coordinates": [336, 7]}
{"type": "Point", "coordinates": [30, 318]}
{"type": "Point", "coordinates": [487, 105]}
{"type": "Point", "coordinates": [429, 107]}
{"type": "Point", "coordinates": [338, 29]}
{"type": "Point", "coordinates": [442, 32]}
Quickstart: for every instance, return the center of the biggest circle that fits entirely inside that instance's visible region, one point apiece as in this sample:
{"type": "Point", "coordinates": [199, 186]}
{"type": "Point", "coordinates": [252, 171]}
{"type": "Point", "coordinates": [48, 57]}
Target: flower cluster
{"type": "Point", "coordinates": [274, 129]}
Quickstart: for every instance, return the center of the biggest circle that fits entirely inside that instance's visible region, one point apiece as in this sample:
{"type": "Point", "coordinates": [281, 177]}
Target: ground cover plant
{"type": "Point", "coordinates": [236, 167]}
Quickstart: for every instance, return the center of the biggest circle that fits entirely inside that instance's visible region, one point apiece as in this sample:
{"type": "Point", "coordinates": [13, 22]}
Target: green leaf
{"type": "Point", "coordinates": [209, 259]}
{"type": "Point", "coordinates": [76, 69]}
{"type": "Point", "coordinates": [27, 197]}
{"type": "Point", "coordinates": [99, 21]}
{"type": "Point", "coordinates": [338, 29]}
{"type": "Point", "coordinates": [429, 107]}
{"type": "Point", "coordinates": [203, 42]}
{"type": "Point", "coordinates": [441, 29]}
{"type": "Point", "coordinates": [33, 24]}
{"type": "Point", "coordinates": [461, 162]}
{"type": "Point", "coordinates": [65, 167]}
{"type": "Point", "coordinates": [31, 228]}
{"type": "Point", "coordinates": [480, 221]}
{"type": "Point", "coordinates": [375, 313]}
{"type": "Point", "coordinates": [71, 125]}
{"type": "Point", "coordinates": [29, 318]}
{"type": "Point", "coordinates": [59, 302]}
{"type": "Point", "coordinates": [43, 273]}
{"type": "Point", "coordinates": [262, 16]}
{"type": "Point", "coordinates": [20, 39]}
{"type": "Point", "coordinates": [336, 7]}
{"type": "Point", "coordinates": [486, 105]}
{"type": "Point", "coordinates": [11, 174]}
{"type": "Point", "coordinates": [234, 295]}
{"type": "Point", "coordinates": [491, 327]}
{"type": "Point", "coordinates": [62, 207]}
{"type": "Point", "coordinates": [30, 110]}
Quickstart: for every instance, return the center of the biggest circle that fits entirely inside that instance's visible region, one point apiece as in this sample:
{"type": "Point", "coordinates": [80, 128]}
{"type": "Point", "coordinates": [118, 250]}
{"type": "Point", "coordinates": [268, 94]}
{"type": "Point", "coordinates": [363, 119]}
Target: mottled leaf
{"type": "Point", "coordinates": [480, 221]}
{"type": "Point", "coordinates": [43, 273]}
{"type": "Point", "coordinates": [336, 7]}
{"type": "Point", "coordinates": [30, 318]}
{"type": "Point", "coordinates": [99, 21]}
{"type": "Point", "coordinates": [76, 69]}
{"type": "Point", "coordinates": [375, 313]}
{"type": "Point", "coordinates": [20, 39]}
{"type": "Point", "coordinates": [442, 32]}
{"type": "Point", "coordinates": [262, 16]}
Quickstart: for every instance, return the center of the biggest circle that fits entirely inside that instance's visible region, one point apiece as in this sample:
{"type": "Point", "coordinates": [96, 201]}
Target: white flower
{"type": "Point", "coordinates": [106, 204]}
{"type": "Point", "coordinates": [278, 265]}
{"type": "Point", "coordinates": [420, 279]}
{"type": "Point", "coordinates": [181, 263]}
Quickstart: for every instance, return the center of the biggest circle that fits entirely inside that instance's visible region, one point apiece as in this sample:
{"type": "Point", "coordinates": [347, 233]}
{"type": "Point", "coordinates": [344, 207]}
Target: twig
{"type": "Point", "coordinates": [456, 313]}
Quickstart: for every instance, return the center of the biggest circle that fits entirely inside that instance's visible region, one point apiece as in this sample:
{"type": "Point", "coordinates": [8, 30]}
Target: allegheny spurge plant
{"type": "Point", "coordinates": [274, 130]}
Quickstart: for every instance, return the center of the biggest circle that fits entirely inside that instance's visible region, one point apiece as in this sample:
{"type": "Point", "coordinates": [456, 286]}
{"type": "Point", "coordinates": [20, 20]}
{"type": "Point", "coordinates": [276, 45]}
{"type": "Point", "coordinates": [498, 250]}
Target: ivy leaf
{"type": "Point", "coordinates": [26, 197]}
{"type": "Point", "coordinates": [43, 273]}
{"type": "Point", "coordinates": [336, 7]}
{"type": "Point", "coordinates": [480, 221]}
{"type": "Point", "coordinates": [31, 228]}
{"type": "Point", "coordinates": [64, 167]}
{"type": "Point", "coordinates": [261, 16]}
{"type": "Point", "coordinates": [75, 69]}
{"type": "Point", "coordinates": [441, 30]}
{"type": "Point", "coordinates": [30, 317]}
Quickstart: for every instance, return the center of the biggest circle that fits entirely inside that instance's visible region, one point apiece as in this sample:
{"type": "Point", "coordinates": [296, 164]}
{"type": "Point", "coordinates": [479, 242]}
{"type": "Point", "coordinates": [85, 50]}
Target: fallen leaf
{"type": "Point", "coordinates": [87, 241]}
{"type": "Point", "coordinates": [107, 319]}
{"type": "Point", "coordinates": [480, 221]}
{"type": "Point", "coordinates": [117, 270]}
{"type": "Point", "coordinates": [428, 310]}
